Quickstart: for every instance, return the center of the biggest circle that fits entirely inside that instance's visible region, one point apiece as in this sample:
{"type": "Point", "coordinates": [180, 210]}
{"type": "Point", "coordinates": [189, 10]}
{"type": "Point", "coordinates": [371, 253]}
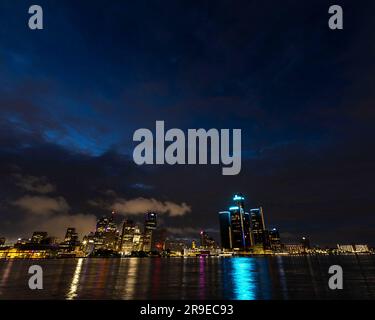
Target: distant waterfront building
{"type": "Point", "coordinates": [206, 241]}
{"type": "Point", "coordinates": [106, 234]}
{"type": "Point", "coordinates": [71, 240]}
{"type": "Point", "coordinates": [138, 239]}
{"type": "Point", "coordinates": [294, 248]}
{"type": "Point", "coordinates": [176, 245]}
{"type": "Point", "coordinates": [345, 248]}
{"type": "Point", "coordinates": [225, 230]}
{"type": "Point", "coordinates": [193, 244]}
{"type": "Point", "coordinates": [71, 236]}
{"type": "Point", "coordinates": [150, 225]}
{"type": "Point", "coordinates": [38, 237]}
{"type": "Point", "coordinates": [274, 240]}
{"type": "Point", "coordinates": [305, 243]}
{"type": "Point", "coordinates": [159, 237]}
{"type": "Point", "coordinates": [22, 241]}
{"type": "Point", "coordinates": [361, 248]}
{"type": "Point", "coordinates": [2, 241]}
{"type": "Point", "coordinates": [126, 245]}
{"type": "Point", "coordinates": [349, 248]}
{"type": "Point", "coordinates": [257, 227]}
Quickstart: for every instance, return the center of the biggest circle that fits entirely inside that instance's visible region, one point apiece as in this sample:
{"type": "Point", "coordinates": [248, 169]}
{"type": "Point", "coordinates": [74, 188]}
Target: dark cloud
{"type": "Point", "coordinates": [42, 205]}
{"type": "Point", "coordinates": [34, 184]}
{"type": "Point", "coordinates": [141, 205]}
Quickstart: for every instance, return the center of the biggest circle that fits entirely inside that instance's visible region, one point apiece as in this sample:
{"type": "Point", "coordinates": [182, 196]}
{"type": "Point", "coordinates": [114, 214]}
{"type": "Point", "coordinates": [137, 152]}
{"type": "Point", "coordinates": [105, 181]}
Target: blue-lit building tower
{"type": "Point", "coordinates": [225, 230]}
{"type": "Point", "coordinates": [235, 226]}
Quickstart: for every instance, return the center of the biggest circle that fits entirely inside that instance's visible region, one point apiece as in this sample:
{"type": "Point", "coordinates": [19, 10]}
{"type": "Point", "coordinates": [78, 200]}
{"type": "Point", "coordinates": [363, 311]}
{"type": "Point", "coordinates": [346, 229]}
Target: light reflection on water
{"type": "Point", "coordinates": [131, 278]}
{"type": "Point", "coordinates": [243, 278]}
{"type": "Point", "coordinates": [202, 277]}
{"type": "Point", "coordinates": [75, 281]}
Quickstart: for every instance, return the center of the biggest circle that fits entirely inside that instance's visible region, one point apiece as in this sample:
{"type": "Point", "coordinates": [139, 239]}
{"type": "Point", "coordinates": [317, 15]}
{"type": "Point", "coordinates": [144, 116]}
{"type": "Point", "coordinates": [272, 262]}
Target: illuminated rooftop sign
{"type": "Point", "coordinates": [238, 198]}
{"type": "Point", "coordinates": [234, 208]}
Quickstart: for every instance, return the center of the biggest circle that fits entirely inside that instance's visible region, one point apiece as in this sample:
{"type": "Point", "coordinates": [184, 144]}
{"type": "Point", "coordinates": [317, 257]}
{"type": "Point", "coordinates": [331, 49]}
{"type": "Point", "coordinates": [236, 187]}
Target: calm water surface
{"type": "Point", "coordinates": [297, 277]}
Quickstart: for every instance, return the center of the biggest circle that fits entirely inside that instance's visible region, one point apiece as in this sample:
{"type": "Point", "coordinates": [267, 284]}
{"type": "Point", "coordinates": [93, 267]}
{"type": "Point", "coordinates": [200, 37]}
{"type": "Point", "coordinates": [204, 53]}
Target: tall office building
{"type": "Point", "coordinates": [71, 236]}
{"type": "Point", "coordinates": [225, 230]}
{"type": "Point", "coordinates": [257, 227]}
{"type": "Point", "coordinates": [235, 226]}
{"type": "Point", "coordinates": [149, 227]}
{"type": "Point", "coordinates": [106, 234]}
{"type": "Point", "coordinates": [126, 243]}
{"type": "Point", "coordinates": [70, 240]}
{"type": "Point", "coordinates": [240, 222]}
{"type": "Point", "coordinates": [38, 237]}
{"type": "Point", "coordinates": [274, 240]}
{"type": "Point", "coordinates": [206, 241]}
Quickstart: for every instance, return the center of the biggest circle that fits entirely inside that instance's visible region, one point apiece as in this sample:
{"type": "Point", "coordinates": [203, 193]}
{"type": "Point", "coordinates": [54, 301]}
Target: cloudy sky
{"type": "Point", "coordinates": [72, 95]}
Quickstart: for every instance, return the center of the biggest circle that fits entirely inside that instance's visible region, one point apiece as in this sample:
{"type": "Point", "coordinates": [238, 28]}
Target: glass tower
{"type": "Point", "coordinates": [257, 226]}
{"type": "Point", "coordinates": [149, 227]}
{"type": "Point", "coordinates": [235, 225]}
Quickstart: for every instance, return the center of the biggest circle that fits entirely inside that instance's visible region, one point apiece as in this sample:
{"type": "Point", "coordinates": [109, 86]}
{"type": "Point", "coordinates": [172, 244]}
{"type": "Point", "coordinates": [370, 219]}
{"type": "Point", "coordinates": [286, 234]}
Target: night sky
{"type": "Point", "coordinates": [72, 95]}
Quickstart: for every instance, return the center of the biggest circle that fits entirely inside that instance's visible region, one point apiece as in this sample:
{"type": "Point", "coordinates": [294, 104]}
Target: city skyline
{"type": "Point", "coordinates": [241, 230]}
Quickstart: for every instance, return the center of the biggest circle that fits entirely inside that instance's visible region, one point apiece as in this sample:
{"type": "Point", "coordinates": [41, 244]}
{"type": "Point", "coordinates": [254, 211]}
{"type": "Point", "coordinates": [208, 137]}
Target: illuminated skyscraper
{"type": "Point", "coordinates": [225, 230]}
{"type": "Point", "coordinates": [275, 243]}
{"type": "Point", "coordinates": [38, 237]}
{"type": "Point", "coordinates": [106, 234]}
{"type": "Point", "coordinates": [131, 238]}
{"type": "Point", "coordinates": [126, 243]}
{"type": "Point", "coordinates": [70, 240]}
{"type": "Point", "coordinates": [257, 227]}
{"type": "Point", "coordinates": [149, 227]}
{"type": "Point", "coordinates": [71, 236]}
{"type": "Point", "coordinates": [235, 226]}
{"type": "Point", "coordinates": [206, 241]}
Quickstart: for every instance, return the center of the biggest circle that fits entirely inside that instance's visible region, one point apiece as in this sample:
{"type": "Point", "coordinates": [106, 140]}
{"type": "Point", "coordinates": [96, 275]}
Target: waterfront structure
{"type": "Point", "coordinates": [71, 236]}
{"type": "Point", "coordinates": [258, 236]}
{"type": "Point", "coordinates": [305, 243]}
{"type": "Point", "coordinates": [361, 248]}
{"type": "Point", "coordinates": [159, 237]}
{"type": "Point", "coordinates": [235, 226]}
{"type": "Point", "coordinates": [294, 248]}
{"type": "Point", "coordinates": [21, 241]}
{"type": "Point", "coordinates": [274, 240]}
{"type": "Point", "coordinates": [225, 230]}
{"type": "Point", "coordinates": [106, 234]}
{"type": "Point", "coordinates": [193, 245]}
{"type": "Point", "coordinates": [38, 237]}
{"type": "Point", "coordinates": [150, 224]}
{"type": "Point", "coordinates": [131, 238]}
{"type": "Point", "coordinates": [70, 241]}
{"type": "Point", "coordinates": [240, 221]}
{"type": "Point", "coordinates": [2, 241]}
{"type": "Point", "coordinates": [353, 248]}
{"type": "Point", "coordinates": [206, 241]}
{"type": "Point", "coordinates": [176, 246]}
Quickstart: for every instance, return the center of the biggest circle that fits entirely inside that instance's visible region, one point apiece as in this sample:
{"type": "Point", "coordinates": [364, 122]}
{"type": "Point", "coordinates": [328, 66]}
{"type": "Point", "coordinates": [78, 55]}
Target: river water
{"type": "Point", "coordinates": [253, 278]}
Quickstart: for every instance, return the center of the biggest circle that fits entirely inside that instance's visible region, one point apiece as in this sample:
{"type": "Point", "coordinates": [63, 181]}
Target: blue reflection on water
{"type": "Point", "coordinates": [243, 277]}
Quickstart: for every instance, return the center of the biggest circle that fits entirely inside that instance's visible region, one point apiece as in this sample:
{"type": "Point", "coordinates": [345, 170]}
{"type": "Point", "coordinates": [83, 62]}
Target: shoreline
{"type": "Point", "coordinates": [195, 257]}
